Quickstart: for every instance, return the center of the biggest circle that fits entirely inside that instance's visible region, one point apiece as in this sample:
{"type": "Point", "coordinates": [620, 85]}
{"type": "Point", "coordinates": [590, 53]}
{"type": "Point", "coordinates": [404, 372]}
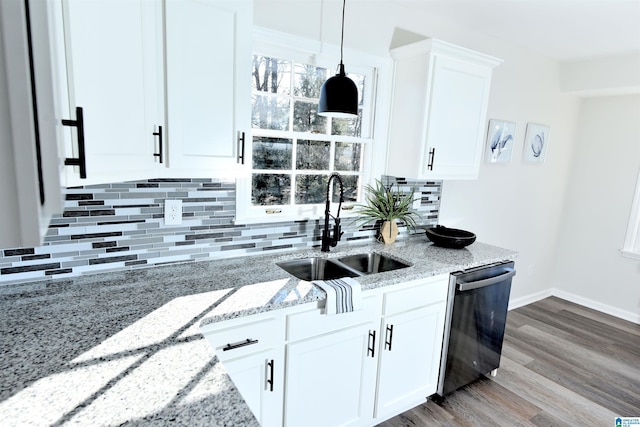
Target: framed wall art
{"type": "Point", "coordinates": [500, 137]}
{"type": "Point", "coordinates": [536, 143]}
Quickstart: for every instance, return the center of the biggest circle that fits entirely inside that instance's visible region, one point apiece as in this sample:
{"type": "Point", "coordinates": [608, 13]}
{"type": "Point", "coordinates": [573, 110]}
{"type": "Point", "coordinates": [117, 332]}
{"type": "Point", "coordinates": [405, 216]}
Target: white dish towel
{"type": "Point", "coordinates": [343, 295]}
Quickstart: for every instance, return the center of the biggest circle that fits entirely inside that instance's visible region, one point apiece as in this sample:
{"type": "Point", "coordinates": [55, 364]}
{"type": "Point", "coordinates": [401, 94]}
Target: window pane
{"type": "Point", "coordinates": [307, 80]}
{"type": "Point", "coordinates": [271, 75]}
{"type": "Point", "coordinates": [306, 118]}
{"type": "Point", "coordinates": [358, 79]}
{"type": "Point", "coordinates": [350, 189]}
{"type": "Point", "coordinates": [272, 153]}
{"type": "Point", "coordinates": [270, 189]}
{"type": "Point", "coordinates": [268, 112]}
{"type": "Point", "coordinates": [311, 189]}
{"type": "Point", "coordinates": [347, 127]}
{"type": "Point", "coordinates": [348, 156]}
{"type": "Point", "coordinates": [313, 154]}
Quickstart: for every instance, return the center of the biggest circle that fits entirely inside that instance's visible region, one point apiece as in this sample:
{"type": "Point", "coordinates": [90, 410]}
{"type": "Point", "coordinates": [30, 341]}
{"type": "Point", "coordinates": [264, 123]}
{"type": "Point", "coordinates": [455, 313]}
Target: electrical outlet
{"type": "Point", "coordinates": [173, 212]}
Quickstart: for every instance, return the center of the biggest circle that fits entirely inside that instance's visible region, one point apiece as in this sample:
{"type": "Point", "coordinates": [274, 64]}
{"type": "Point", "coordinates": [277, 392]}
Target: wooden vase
{"type": "Point", "coordinates": [389, 232]}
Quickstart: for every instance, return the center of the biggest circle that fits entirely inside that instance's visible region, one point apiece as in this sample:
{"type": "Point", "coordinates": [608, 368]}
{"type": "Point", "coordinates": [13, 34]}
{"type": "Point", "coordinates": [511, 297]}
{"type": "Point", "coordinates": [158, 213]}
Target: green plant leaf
{"type": "Point", "coordinates": [383, 203]}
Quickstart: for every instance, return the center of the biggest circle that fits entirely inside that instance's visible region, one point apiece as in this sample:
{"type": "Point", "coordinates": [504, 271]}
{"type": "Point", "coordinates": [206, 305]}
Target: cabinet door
{"type": "Point", "coordinates": [440, 100]}
{"type": "Point", "coordinates": [330, 380]}
{"type": "Point", "coordinates": [114, 72]}
{"type": "Point", "coordinates": [458, 97]}
{"type": "Point", "coordinates": [259, 379]}
{"type": "Point", "coordinates": [208, 45]}
{"type": "Point", "coordinates": [410, 347]}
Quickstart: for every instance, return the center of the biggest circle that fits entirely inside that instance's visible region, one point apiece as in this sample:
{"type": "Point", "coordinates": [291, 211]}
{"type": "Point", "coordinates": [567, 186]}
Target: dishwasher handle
{"type": "Point", "coordinates": [468, 286]}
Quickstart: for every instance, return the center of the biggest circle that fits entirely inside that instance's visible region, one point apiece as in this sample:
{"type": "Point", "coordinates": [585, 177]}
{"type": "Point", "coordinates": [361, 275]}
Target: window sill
{"type": "Point", "coordinates": [630, 254]}
{"type": "Point", "coordinates": [268, 219]}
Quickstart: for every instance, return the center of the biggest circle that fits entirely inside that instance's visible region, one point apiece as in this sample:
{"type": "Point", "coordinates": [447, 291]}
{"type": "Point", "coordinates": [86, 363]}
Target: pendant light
{"type": "Point", "coordinates": [339, 94]}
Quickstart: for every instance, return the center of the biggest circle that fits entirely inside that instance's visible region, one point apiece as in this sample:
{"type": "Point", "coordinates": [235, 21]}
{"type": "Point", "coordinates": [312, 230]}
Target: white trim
{"type": "Point", "coordinates": [598, 306]}
{"type": "Point", "coordinates": [630, 254]}
{"type": "Point", "coordinates": [631, 248]}
{"type": "Point", "coordinates": [585, 302]}
{"type": "Point", "coordinates": [529, 299]}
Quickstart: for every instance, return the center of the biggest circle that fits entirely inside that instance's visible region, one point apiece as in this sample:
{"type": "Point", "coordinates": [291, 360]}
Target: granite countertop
{"type": "Point", "coordinates": [125, 347]}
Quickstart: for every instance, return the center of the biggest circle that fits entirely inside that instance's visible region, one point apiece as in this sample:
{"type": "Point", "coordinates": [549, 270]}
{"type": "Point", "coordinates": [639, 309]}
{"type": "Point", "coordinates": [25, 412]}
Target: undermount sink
{"type": "Point", "coordinates": [371, 263]}
{"type": "Point", "coordinates": [317, 268]}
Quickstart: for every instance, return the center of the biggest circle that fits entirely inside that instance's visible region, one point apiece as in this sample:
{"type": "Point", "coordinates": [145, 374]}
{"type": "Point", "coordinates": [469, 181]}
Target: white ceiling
{"type": "Point", "coordinates": [564, 30]}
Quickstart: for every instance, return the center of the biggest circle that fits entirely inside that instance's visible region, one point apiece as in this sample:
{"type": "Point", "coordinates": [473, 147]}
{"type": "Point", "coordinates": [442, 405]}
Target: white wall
{"type": "Point", "coordinates": [616, 75]}
{"type": "Point", "coordinates": [516, 206]}
{"type": "Point", "coordinates": [589, 267]}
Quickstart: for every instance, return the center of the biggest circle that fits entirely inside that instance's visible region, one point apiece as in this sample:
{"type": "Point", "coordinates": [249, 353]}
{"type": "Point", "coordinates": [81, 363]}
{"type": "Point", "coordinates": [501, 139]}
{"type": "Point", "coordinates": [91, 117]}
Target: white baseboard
{"type": "Point", "coordinates": [585, 302]}
{"type": "Point", "coordinates": [529, 299]}
{"type": "Point", "coordinates": [598, 306]}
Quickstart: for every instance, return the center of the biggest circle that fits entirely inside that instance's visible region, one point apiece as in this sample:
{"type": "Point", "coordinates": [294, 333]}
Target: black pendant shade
{"type": "Point", "coordinates": [339, 94]}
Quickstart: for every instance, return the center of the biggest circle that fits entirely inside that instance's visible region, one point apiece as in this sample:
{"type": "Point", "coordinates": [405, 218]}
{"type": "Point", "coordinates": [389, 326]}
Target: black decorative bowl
{"type": "Point", "coordinates": [450, 237]}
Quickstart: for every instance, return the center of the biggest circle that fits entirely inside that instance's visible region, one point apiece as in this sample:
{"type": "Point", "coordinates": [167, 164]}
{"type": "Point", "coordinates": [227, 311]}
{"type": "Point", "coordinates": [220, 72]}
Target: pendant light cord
{"type": "Point", "coordinates": [344, 4]}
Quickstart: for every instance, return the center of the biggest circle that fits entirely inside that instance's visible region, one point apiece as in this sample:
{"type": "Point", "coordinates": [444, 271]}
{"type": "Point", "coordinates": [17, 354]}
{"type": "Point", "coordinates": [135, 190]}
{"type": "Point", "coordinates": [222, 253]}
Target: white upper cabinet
{"type": "Point", "coordinates": [29, 172]}
{"type": "Point", "coordinates": [116, 54]}
{"type": "Point", "coordinates": [439, 110]}
{"type": "Point", "coordinates": [114, 72]}
{"type": "Point", "coordinates": [208, 48]}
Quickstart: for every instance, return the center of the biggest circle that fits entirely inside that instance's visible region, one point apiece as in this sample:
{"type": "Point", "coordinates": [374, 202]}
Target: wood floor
{"type": "Point", "coordinates": [562, 365]}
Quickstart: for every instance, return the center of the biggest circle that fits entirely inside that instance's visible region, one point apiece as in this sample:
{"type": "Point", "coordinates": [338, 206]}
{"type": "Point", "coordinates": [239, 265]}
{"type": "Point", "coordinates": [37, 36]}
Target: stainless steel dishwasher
{"type": "Point", "coordinates": [474, 326]}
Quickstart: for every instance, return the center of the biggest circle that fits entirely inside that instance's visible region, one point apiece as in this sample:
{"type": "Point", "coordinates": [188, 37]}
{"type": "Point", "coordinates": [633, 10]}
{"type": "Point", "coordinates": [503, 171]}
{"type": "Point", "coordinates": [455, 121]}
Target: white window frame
{"type": "Point", "coordinates": [374, 127]}
{"type": "Point", "coordinates": [631, 248]}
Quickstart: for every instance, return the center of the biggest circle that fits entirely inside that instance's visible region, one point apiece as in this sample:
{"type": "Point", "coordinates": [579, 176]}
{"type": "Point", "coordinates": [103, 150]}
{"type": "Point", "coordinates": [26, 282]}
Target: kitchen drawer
{"type": "Point", "coordinates": [312, 321]}
{"type": "Point", "coordinates": [231, 339]}
{"type": "Point", "coordinates": [417, 293]}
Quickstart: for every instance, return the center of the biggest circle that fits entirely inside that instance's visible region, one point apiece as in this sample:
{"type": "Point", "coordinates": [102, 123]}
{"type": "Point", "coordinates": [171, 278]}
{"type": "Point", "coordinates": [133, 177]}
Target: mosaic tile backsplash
{"type": "Point", "coordinates": [121, 226]}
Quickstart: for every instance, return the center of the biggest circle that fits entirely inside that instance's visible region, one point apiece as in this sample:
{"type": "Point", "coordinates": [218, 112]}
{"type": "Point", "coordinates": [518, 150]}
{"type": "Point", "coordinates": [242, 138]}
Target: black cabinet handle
{"type": "Point", "coordinates": [81, 160]}
{"type": "Point", "coordinates": [241, 140]}
{"type": "Point", "coordinates": [432, 156]}
{"type": "Point", "coordinates": [159, 153]}
{"type": "Point", "coordinates": [239, 344]}
{"type": "Point", "coordinates": [269, 367]}
{"type": "Point", "coordinates": [372, 343]}
{"type": "Point", "coordinates": [388, 338]}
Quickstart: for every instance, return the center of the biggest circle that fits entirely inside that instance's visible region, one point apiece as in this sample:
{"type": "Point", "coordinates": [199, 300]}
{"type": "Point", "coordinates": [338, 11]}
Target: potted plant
{"type": "Point", "coordinates": [387, 205]}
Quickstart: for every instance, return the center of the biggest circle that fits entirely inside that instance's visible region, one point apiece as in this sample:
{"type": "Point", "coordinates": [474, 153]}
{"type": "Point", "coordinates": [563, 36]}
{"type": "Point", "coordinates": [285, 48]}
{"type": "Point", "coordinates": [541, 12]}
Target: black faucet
{"type": "Point", "coordinates": [327, 239]}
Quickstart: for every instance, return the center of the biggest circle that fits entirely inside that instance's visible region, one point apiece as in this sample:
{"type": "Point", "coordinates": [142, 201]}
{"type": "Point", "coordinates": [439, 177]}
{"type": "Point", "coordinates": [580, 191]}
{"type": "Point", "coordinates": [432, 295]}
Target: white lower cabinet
{"type": "Point", "coordinates": [352, 369]}
{"type": "Point", "coordinates": [251, 350]}
{"type": "Point", "coordinates": [258, 377]}
{"type": "Point", "coordinates": [409, 359]}
{"type": "Point", "coordinates": [330, 380]}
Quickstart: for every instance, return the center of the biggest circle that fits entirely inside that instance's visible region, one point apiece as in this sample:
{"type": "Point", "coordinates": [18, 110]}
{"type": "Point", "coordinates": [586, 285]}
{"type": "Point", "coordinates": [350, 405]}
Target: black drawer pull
{"type": "Point", "coordinates": [241, 141]}
{"type": "Point", "coordinates": [269, 384]}
{"type": "Point", "coordinates": [389, 337]}
{"type": "Point", "coordinates": [159, 153]}
{"type": "Point", "coordinates": [239, 344]}
{"type": "Point", "coordinates": [372, 343]}
{"type": "Point", "coordinates": [432, 157]}
{"type": "Point", "coordinates": [81, 160]}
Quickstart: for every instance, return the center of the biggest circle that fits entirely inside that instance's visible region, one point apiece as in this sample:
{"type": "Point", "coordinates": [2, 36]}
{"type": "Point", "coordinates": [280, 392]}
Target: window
{"type": "Point", "coordinates": [293, 149]}
{"type": "Point", "coordinates": [631, 247]}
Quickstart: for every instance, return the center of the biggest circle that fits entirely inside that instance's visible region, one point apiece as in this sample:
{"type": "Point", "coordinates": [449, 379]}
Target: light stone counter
{"type": "Point", "coordinates": [125, 347]}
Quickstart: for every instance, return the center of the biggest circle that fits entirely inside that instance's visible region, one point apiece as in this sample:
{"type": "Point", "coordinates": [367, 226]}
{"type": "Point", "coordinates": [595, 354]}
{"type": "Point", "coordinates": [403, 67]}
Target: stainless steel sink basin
{"type": "Point", "coordinates": [370, 263]}
{"type": "Point", "coordinates": [317, 269]}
